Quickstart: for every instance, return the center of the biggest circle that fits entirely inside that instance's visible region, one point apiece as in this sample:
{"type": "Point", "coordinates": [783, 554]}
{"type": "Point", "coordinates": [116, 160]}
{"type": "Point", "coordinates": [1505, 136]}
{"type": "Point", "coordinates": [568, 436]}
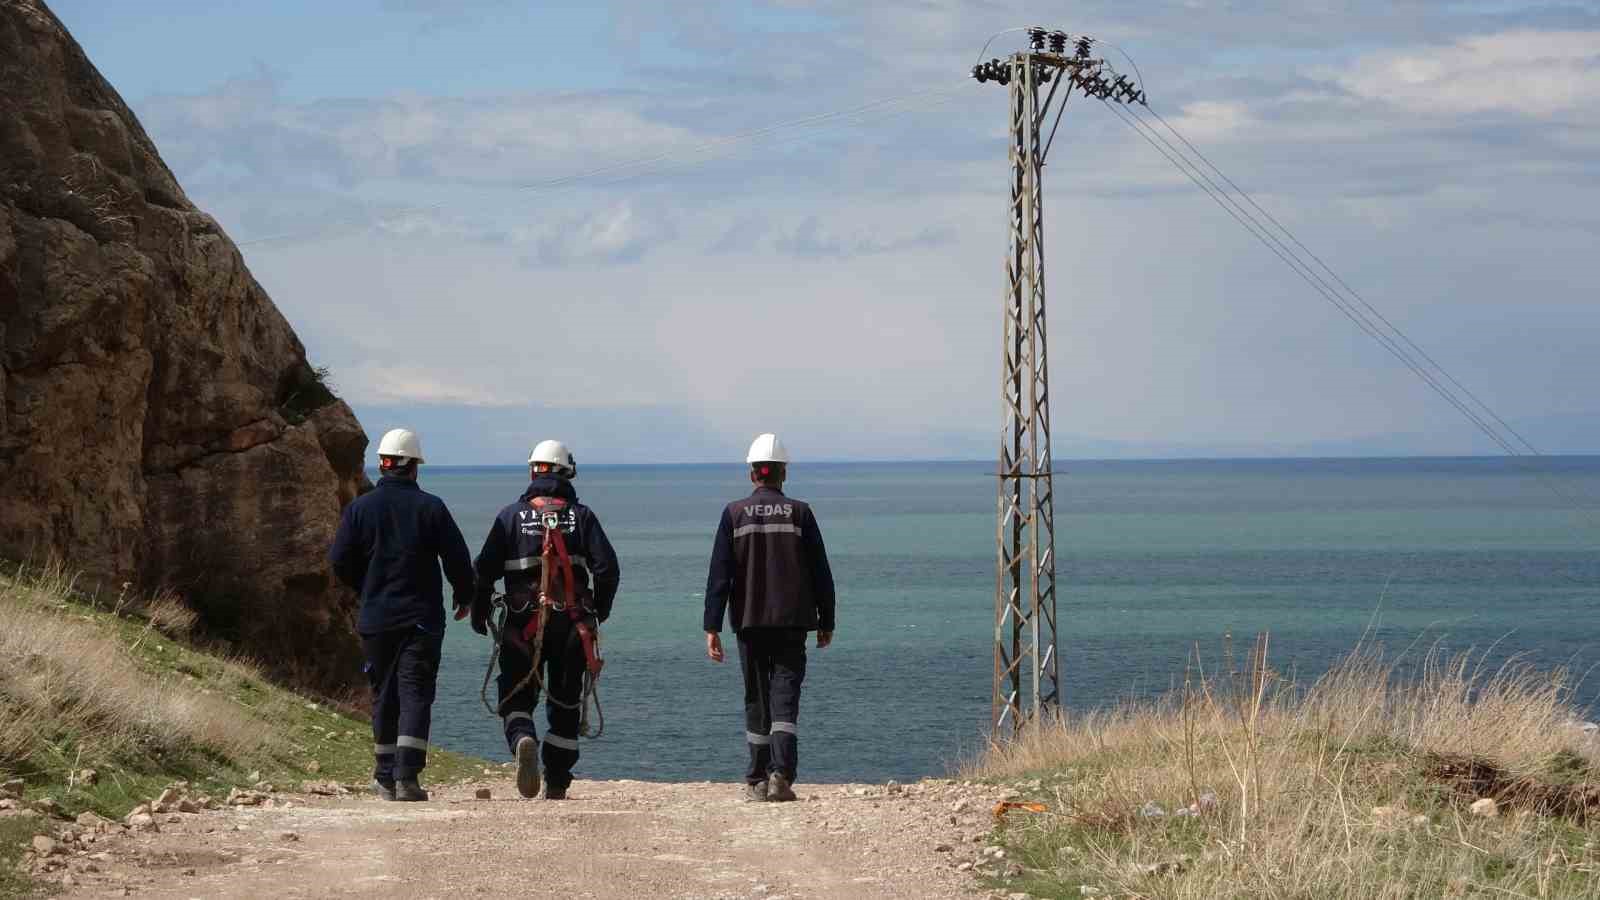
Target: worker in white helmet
{"type": "Point", "coordinates": [390, 545]}
{"type": "Point", "coordinates": [552, 553]}
{"type": "Point", "coordinates": [770, 568]}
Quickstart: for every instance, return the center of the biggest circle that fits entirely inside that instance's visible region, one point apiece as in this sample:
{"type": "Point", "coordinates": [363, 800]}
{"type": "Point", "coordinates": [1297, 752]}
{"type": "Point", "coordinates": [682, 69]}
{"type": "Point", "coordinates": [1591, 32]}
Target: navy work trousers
{"type": "Point", "coordinates": [403, 671]}
{"type": "Point", "coordinates": [563, 663]}
{"type": "Point", "coordinates": [774, 664]}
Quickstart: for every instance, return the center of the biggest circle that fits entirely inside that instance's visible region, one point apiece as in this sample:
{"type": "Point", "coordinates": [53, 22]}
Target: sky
{"type": "Point", "coordinates": [497, 221]}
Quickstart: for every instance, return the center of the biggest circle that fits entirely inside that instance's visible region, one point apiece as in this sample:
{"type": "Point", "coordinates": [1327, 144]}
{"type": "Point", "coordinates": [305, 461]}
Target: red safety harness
{"type": "Point", "coordinates": [558, 592]}
{"type": "Point", "coordinates": [556, 561]}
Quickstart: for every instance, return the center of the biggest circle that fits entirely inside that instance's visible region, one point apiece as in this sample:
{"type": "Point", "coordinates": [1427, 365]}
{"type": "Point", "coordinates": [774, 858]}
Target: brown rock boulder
{"type": "Point", "coordinates": [159, 422]}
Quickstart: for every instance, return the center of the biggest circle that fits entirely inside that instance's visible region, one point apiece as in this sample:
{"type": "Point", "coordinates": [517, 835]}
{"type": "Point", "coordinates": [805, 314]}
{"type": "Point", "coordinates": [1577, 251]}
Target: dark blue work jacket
{"type": "Point", "coordinates": [516, 541]}
{"type": "Point", "coordinates": [390, 543]}
{"type": "Point", "coordinates": [769, 567]}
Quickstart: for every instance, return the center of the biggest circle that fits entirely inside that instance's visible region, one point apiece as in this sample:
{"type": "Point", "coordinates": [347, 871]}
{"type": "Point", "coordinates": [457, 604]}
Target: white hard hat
{"type": "Point", "coordinates": [401, 442]}
{"type": "Point", "coordinates": [767, 448]}
{"type": "Point", "coordinates": [556, 454]}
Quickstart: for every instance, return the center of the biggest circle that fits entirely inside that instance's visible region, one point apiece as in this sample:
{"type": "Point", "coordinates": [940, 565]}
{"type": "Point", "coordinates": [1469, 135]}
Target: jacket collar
{"type": "Point", "coordinates": [766, 489]}
{"type": "Point", "coordinates": [550, 486]}
{"type": "Point", "coordinates": [389, 481]}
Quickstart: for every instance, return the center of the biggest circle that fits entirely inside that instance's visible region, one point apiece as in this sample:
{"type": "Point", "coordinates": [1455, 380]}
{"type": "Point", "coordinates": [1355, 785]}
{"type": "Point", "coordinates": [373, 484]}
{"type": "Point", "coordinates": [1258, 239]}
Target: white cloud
{"type": "Point", "coordinates": [1538, 74]}
{"type": "Point", "coordinates": [500, 141]}
{"type": "Point", "coordinates": [381, 383]}
{"type": "Point", "coordinates": [1214, 120]}
{"type": "Point", "coordinates": [848, 277]}
{"type": "Point", "coordinates": [618, 234]}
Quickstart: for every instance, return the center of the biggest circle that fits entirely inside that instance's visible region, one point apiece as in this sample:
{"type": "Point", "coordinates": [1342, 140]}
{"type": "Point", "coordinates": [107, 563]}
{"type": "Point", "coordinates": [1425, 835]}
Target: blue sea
{"type": "Point", "coordinates": [1155, 559]}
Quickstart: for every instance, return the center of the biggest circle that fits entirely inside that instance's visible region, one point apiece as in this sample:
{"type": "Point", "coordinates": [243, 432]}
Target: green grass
{"type": "Point", "coordinates": [90, 687]}
{"type": "Point", "coordinates": [15, 833]}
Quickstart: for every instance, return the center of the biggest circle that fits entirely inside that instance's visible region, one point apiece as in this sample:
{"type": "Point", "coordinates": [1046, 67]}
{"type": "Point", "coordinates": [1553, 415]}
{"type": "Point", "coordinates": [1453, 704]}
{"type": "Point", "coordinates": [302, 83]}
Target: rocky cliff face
{"type": "Point", "coordinates": [159, 422]}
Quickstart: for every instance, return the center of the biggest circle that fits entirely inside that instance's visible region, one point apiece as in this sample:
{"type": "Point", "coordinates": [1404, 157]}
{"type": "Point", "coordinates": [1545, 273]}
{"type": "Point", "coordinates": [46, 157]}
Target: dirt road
{"type": "Point", "coordinates": [612, 839]}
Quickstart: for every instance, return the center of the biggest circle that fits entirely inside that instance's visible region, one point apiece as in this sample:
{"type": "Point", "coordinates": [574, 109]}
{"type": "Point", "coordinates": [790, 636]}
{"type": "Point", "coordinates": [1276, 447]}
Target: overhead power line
{"type": "Point", "coordinates": [1306, 273]}
{"type": "Point", "coordinates": [1352, 292]}
{"type": "Point", "coordinates": [1345, 298]}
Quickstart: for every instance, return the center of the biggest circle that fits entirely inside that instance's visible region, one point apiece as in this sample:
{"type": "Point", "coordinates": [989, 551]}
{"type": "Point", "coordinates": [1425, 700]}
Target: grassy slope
{"type": "Point", "coordinates": [1353, 787]}
{"type": "Point", "coordinates": [82, 687]}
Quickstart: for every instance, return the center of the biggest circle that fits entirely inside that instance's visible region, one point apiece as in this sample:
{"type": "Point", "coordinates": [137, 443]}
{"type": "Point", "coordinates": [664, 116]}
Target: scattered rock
{"type": "Point", "coordinates": [188, 806]}
{"type": "Point", "coordinates": [88, 776]}
{"type": "Point", "coordinates": [289, 837]}
{"type": "Point", "coordinates": [188, 872]}
{"type": "Point", "coordinates": [43, 846]}
{"type": "Point", "coordinates": [1208, 802]}
{"type": "Point", "coordinates": [266, 787]}
{"type": "Point", "coordinates": [994, 852]}
{"type": "Point", "coordinates": [1088, 890]}
{"type": "Point", "coordinates": [323, 788]}
{"type": "Point", "coordinates": [1166, 867]}
{"type": "Point", "coordinates": [964, 867]}
{"type": "Point", "coordinates": [12, 789]}
{"type": "Point", "coordinates": [90, 820]}
{"type": "Point", "coordinates": [237, 797]}
{"type": "Point", "coordinates": [142, 822]}
{"type": "Point", "coordinates": [1152, 810]}
{"type": "Point", "coordinates": [482, 794]}
{"type": "Point", "coordinates": [943, 848]}
{"type": "Point", "coordinates": [1485, 807]}
{"type": "Point", "coordinates": [174, 819]}
{"type": "Point", "coordinates": [1019, 895]}
{"type": "Point", "coordinates": [961, 806]}
{"type": "Point", "coordinates": [8, 803]}
{"type": "Point", "coordinates": [47, 807]}
{"type": "Point", "coordinates": [313, 767]}
{"type": "Point", "coordinates": [859, 792]}
{"type": "Point", "coordinates": [168, 797]}
{"type": "Point", "coordinates": [68, 881]}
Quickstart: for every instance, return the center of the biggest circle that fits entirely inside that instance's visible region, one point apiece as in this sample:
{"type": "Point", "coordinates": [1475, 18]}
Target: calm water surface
{"type": "Point", "coordinates": [1154, 558]}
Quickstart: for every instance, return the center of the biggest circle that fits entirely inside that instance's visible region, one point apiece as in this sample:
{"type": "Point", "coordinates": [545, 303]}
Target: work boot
{"type": "Point", "coordinates": [755, 793]}
{"type": "Point", "coordinates": [384, 791]}
{"type": "Point", "coordinates": [551, 792]}
{"type": "Point", "coordinates": [779, 790]}
{"type": "Point", "coordinates": [407, 789]}
{"type": "Point", "coordinates": [527, 767]}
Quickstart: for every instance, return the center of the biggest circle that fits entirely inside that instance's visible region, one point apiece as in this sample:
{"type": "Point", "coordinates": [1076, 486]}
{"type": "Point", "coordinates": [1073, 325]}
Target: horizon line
{"type": "Point", "coordinates": [1460, 457]}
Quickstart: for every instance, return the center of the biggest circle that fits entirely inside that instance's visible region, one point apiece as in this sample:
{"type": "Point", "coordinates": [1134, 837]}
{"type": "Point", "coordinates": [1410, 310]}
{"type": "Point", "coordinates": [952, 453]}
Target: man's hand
{"type": "Point", "coordinates": [824, 638]}
{"type": "Point", "coordinates": [480, 613]}
{"type": "Point", "coordinates": [714, 646]}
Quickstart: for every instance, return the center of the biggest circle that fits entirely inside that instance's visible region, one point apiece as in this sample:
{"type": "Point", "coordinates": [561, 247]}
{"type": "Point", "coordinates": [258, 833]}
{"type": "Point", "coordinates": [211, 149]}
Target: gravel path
{"type": "Point", "coordinates": [612, 839]}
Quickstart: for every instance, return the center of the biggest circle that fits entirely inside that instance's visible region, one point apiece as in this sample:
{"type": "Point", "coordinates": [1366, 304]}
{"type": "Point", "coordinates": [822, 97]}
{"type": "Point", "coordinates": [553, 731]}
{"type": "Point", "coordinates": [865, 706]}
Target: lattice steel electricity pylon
{"type": "Point", "coordinates": [1027, 675]}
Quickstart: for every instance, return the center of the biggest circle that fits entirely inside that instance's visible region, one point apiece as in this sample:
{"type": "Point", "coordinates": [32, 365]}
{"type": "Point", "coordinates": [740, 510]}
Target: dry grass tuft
{"type": "Point", "coordinates": [70, 691]}
{"type": "Point", "coordinates": [1244, 784]}
{"type": "Point", "coordinates": [168, 614]}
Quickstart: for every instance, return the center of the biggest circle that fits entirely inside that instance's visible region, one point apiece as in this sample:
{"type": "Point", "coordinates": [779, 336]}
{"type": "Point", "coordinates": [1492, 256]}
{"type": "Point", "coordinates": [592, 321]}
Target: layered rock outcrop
{"type": "Point", "coordinates": [159, 421]}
